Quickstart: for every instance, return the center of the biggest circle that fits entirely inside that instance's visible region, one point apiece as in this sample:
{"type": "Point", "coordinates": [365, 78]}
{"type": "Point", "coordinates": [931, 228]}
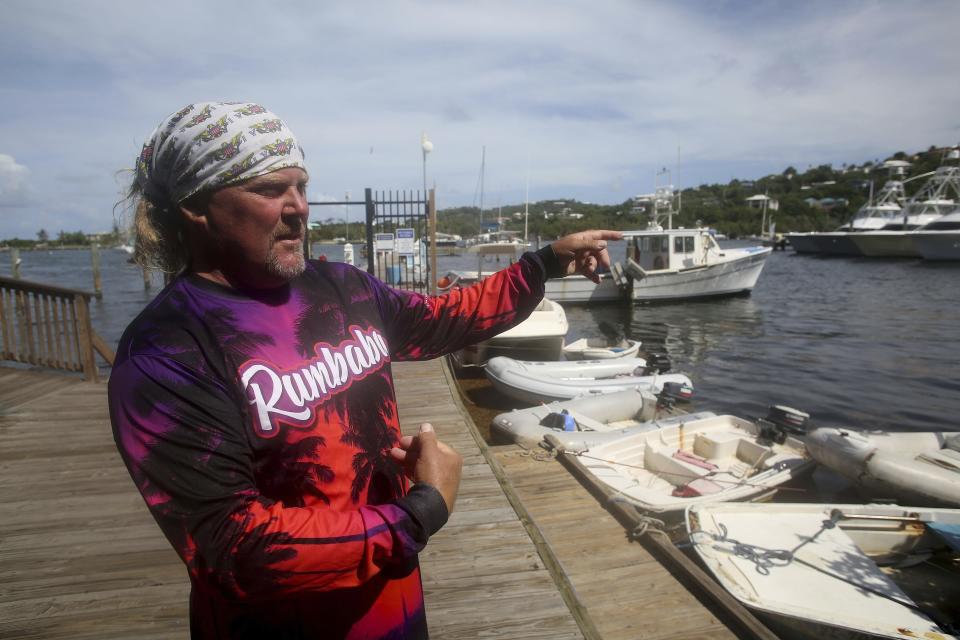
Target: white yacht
{"type": "Point", "coordinates": [874, 215]}
{"type": "Point", "coordinates": [939, 196]}
{"type": "Point", "coordinates": [940, 239]}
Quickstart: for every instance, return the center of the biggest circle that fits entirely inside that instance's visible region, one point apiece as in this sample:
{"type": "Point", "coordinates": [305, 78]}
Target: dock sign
{"type": "Point", "coordinates": [405, 241]}
{"type": "Point", "coordinates": [383, 242]}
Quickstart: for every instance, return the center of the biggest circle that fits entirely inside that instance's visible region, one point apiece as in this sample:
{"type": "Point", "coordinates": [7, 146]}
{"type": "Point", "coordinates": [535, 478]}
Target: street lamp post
{"type": "Point", "coordinates": [427, 147]}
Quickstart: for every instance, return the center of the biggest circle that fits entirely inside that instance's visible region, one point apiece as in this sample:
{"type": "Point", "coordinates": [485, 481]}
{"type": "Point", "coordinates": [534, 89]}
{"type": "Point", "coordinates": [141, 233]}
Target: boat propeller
{"type": "Point", "coordinates": [782, 421]}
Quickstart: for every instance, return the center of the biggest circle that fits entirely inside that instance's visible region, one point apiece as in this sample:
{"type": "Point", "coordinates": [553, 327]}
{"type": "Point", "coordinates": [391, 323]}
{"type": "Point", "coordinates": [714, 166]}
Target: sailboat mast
{"type": "Point", "coordinates": [526, 205]}
{"type": "Point", "coordinates": [483, 160]}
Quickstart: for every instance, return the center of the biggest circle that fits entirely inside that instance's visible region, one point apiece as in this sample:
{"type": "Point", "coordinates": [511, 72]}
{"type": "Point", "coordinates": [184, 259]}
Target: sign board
{"type": "Point", "coordinates": [383, 242]}
{"type": "Point", "coordinates": [406, 238]}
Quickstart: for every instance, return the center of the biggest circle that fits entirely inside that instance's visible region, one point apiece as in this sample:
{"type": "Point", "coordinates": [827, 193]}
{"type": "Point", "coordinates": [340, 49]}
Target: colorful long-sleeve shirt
{"type": "Point", "coordinates": [257, 427]}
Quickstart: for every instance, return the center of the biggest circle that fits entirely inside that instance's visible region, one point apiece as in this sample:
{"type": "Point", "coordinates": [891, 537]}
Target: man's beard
{"type": "Point", "coordinates": [282, 267]}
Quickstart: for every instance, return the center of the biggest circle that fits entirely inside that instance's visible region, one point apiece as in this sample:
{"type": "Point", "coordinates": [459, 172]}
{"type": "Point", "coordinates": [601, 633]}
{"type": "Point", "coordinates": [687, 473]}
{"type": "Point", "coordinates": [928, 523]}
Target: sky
{"type": "Point", "coordinates": [574, 99]}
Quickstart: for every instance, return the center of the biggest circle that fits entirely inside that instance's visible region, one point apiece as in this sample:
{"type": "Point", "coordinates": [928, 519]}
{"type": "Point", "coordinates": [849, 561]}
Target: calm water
{"type": "Point", "coordinates": [851, 341]}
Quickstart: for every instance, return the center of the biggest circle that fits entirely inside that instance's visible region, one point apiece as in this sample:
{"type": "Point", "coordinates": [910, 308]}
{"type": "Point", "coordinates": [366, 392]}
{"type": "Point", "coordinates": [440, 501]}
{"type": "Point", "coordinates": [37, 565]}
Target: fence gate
{"type": "Point", "coordinates": [401, 231]}
{"type": "Point", "coordinates": [401, 235]}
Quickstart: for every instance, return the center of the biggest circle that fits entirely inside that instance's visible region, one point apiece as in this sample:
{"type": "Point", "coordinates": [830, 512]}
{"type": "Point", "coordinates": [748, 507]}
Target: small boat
{"type": "Point", "coordinates": [589, 420]}
{"type": "Point", "coordinates": [600, 349]}
{"type": "Point", "coordinates": [713, 459]}
{"type": "Point", "coordinates": [676, 264]}
{"type": "Point", "coordinates": [836, 571]}
{"type": "Point", "coordinates": [533, 382]}
{"type": "Point", "coordinates": [539, 337]}
{"type": "Point", "coordinates": [917, 467]}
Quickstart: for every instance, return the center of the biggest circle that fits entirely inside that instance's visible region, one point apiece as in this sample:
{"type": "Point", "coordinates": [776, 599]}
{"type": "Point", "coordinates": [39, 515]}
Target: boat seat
{"type": "Point", "coordinates": [660, 460]}
{"type": "Point", "coordinates": [586, 423]}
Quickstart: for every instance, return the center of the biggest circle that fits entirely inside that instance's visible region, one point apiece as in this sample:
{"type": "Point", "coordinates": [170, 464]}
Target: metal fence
{"type": "Point", "coordinates": [400, 246]}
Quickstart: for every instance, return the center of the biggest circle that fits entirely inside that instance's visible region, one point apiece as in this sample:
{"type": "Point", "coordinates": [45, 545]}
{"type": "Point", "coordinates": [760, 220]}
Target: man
{"type": "Point", "coordinates": [252, 401]}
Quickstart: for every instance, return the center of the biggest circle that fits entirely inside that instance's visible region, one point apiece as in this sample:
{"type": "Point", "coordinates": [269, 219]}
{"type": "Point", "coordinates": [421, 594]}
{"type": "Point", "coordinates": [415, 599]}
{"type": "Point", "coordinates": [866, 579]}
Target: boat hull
{"type": "Point", "coordinates": [887, 244]}
{"type": "Point", "coordinates": [911, 467]}
{"type": "Point", "coordinates": [719, 279]}
{"type": "Point", "coordinates": [581, 290]}
{"type": "Point", "coordinates": [536, 382]}
{"type": "Point", "coordinates": [830, 585]}
{"type": "Point", "coordinates": [938, 245]}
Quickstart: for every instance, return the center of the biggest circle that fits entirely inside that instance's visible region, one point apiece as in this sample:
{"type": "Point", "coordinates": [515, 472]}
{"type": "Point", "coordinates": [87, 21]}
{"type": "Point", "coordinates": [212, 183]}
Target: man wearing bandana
{"type": "Point", "coordinates": [253, 403]}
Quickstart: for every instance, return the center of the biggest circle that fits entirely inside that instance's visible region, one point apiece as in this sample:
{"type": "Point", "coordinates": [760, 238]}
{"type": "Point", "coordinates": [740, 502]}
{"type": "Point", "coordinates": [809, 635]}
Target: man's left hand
{"type": "Point", "coordinates": [585, 252]}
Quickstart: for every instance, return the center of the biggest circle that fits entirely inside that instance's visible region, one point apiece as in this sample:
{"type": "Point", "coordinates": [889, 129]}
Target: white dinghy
{"type": "Point", "coordinates": [713, 459]}
{"type": "Point", "coordinates": [534, 382]}
{"type": "Point", "coordinates": [832, 571]}
{"type": "Point", "coordinates": [918, 467]}
{"type": "Point", "coordinates": [600, 349]}
{"type": "Point", "coordinates": [590, 420]}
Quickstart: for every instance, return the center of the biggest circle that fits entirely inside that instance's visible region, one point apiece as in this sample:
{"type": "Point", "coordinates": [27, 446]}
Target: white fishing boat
{"type": "Point", "coordinates": [589, 420]}
{"type": "Point", "coordinates": [836, 571]}
{"type": "Point", "coordinates": [940, 239]}
{"type": "Point", "coordinates": [872, 216]}
{"type": "Point", "coordinates": [938, 197]}
{"type": "Point", "coordinates": [661, 264]}
{"type": "Point", "coordinates": [912, 467]}
{"type": "Point", "coordinates": [540, 337]}
{"type": "Point", "coordinates": [673, 264]}
{"type": "Point", "coordinates": [719, 458]}
{"type": "Point", "coordinates": [600, 349]}
{"type": "Point", "coordinates": [533, 382]}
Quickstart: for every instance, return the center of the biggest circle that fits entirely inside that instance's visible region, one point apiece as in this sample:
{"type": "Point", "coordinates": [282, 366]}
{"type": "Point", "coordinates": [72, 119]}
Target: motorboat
{"type": "Point", "coordinates": [836, 570]}
{"type": "Point", "coordinates": [940, 239]}
{"type": "Point", "coordinates": [540, 337]}
{"type": "Point", "coordinates": [874, 215]}
{"type": "Point", "coordinates": [938, 197]}
{"type": "Point", "coordinates": [676, 264]}
{"type": "Point", "coordinates": [600, 349]}
{"type": "Point", "coordinates": [712, 459]}
{"type": "Point", "coordinates": [664, 264]}
{"type": "Point", "coordinates": [533, 382]}
{"type": "Point", "coordinates": [588, 420]}
{"type": "Point", "coordinates": [912, 467]}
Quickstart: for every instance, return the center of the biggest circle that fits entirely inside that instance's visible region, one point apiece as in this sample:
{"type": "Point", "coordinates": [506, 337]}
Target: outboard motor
{"type": "Point", "coordinates": [780, 422]}
{"type": "Point", "coordinates": [673, 392]}
{"type": "Point", "coordinates": [789, 419]}
{"type": "Point", "coordinates": [659, 362]}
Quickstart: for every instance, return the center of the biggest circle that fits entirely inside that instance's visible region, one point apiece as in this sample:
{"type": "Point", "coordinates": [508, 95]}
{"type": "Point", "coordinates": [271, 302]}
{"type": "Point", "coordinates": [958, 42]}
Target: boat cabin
{"type": "Point", "coordinates": [671, 249]}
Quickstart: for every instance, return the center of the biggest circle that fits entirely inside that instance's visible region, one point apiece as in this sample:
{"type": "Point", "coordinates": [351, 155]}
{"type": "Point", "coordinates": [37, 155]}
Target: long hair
{"type": "Point", "coordinates": [159, 241]}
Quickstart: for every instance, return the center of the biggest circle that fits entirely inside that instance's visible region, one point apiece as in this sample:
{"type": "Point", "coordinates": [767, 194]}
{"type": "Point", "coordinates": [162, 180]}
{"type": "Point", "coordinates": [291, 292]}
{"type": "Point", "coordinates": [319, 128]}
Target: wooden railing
{"type": "Point", "coordinates": [49, 327]}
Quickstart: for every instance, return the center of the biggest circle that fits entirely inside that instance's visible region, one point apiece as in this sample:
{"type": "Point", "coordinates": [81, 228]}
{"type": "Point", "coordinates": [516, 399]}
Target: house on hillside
{"type": "Point", "coordinates": [761, 201]}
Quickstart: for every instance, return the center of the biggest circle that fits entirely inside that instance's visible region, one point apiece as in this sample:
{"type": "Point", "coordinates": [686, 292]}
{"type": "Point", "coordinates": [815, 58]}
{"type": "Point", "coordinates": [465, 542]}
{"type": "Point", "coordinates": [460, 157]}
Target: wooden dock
{"type": "Point", "coordinates": [528, 552]}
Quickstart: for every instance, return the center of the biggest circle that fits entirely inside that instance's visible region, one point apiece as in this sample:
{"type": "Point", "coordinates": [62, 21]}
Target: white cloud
{"type": "Point", "coordinates": [14, 182]}
{"type": "Point", "coordinates": [588, 97]}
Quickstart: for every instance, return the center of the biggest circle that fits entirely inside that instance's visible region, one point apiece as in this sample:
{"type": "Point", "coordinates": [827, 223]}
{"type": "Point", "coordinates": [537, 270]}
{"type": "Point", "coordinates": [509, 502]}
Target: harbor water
{"type": "Point", "coordinates": [852, 341]}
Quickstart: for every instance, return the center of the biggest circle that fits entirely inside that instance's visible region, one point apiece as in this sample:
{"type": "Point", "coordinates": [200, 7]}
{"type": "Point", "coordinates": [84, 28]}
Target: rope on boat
{"type": "Point", "coordinates": [709, 475]}
{"type": "Point", "coordinates": [764, 559]}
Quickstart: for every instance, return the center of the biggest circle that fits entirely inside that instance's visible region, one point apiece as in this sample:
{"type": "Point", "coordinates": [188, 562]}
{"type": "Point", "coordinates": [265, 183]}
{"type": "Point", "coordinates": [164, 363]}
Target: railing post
{"type": "Point", "coordinates": [84, 335]}
{"type": "Point", "coordinates": [95, 259]}
{"type": "Point", "coordinates": [371, 214]}
{"type": "Point", "coordinates": [15, 262]}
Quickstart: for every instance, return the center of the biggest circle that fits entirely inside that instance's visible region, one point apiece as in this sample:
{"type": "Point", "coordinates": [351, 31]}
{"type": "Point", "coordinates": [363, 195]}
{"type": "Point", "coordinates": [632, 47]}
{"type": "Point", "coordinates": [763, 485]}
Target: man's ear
{"type": "Point", "coordinates": [193, 210]}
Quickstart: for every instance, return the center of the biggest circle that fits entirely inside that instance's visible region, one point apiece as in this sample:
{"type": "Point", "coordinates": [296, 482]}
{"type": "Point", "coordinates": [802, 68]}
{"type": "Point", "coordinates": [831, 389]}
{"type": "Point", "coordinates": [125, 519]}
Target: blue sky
{"type": "Point", "coordinates": [588, 99]}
